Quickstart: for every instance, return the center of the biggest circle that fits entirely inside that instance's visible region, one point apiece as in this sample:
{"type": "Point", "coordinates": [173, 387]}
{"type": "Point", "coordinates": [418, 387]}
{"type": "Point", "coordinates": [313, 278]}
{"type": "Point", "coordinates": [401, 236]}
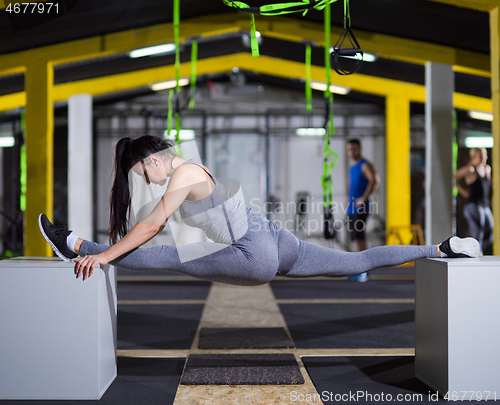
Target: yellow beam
{"type": "Point", "coordinates": [386, 46]}
{"type": "Point", "coordinates": [39, 140]}
{"type": "Point", "coordinates": [290, 29]}
{"type": "Point", "coordinates": [398, 187]}
{"type": "Point", "coordinates": [495, 128]}
{"type": "Point", "coordinates": [263, 65]}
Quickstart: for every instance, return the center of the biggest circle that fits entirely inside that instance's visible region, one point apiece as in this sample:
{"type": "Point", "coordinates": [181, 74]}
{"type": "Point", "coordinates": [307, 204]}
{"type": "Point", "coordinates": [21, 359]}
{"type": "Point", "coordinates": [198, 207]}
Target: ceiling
{"type": "Point", "coordinates": [420, 20]}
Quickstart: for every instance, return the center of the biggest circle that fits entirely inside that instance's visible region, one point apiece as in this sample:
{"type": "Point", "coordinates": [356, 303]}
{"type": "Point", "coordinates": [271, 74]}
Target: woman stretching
{"type": "Point", "coordinates": [247, 250]}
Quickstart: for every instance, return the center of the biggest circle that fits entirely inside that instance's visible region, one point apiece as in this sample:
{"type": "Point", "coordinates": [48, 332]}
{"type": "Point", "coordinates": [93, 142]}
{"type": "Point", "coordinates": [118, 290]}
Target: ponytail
{"type": "Point", "coordinates": [128, 152]}
{"type": "Point", "coordinates": [120, 199]}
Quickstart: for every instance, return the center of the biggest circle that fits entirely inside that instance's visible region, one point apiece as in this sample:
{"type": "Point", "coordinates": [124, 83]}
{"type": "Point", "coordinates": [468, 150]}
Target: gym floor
{"type": "Point", "coordinates": [353, 341]}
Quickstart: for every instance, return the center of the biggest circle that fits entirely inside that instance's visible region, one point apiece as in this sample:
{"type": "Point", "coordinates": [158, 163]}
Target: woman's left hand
{"type": "Point", "coordinates": [85, 265]}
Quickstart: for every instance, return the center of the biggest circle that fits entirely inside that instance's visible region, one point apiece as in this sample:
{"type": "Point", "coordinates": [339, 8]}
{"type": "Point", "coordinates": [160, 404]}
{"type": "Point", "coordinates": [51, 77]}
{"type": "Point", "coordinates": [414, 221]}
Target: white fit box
{"type": "Point", "coordinates": [57, 333]}
{"type": "Point", "coordinates": [457, 326]}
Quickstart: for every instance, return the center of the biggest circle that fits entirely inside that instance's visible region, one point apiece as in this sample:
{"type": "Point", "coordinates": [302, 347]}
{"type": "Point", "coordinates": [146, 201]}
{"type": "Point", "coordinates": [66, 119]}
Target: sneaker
{"type": "Point", "coordinates": [460, 247]}
{"type": "Point", "coordinates": [360, 278]}
{"type": "Point", "coordinates": [56, 236]}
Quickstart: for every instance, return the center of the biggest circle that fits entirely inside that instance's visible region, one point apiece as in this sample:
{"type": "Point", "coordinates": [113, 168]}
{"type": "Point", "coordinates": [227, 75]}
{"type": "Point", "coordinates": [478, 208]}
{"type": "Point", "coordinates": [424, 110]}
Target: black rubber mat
{"type": "Point", "coordinates": [368, 380]}
{"type": "Point", "coordinates": [317, 326]}
{"type": "Point", "coordinates": [171, 290]}
{"type": "Point", "coordinates": [244, 338]}
{"type": "Point", "coordinates": [139, 381]}
{"type": "Point", "coordinates": [311, 289]}
{"type": "Point", "coordinates": [161, 327]}
{"type": "Point", "coordinates": [241, 369]}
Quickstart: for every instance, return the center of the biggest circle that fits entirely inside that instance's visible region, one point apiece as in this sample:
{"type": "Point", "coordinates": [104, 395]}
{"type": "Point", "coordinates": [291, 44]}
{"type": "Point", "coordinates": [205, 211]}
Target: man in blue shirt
{"type": "Point", "coordinates": [363, 181]}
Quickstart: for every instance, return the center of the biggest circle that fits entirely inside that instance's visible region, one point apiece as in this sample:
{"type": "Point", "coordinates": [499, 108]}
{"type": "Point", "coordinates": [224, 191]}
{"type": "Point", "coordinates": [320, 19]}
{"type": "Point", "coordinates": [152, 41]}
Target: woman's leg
{"type": "Point", "coordinates": [252, 260]}
{"type": "Point", "coordinates": [471, 214]}
{"type": "Point", "coordinates": [303, 259]}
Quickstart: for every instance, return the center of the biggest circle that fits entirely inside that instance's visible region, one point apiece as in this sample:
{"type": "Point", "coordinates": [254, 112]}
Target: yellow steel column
{"type": "Point", "coordinates": [495, 99]}
{"type": "Point", "coordinates": [397, 110]}
{"type": "Point", "coordinates": [39, 154]}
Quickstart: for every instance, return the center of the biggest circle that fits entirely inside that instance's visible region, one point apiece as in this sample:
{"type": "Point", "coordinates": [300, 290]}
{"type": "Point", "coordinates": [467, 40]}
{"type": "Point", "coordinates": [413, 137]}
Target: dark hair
{"type": "Point", "coordinates": [354, 141]}
{"type": "Point", "coordinates": [128, 152]}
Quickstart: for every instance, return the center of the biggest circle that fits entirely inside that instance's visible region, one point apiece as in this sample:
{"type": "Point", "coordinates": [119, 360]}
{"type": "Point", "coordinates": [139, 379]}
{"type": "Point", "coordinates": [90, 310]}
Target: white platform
{"type": "Point", "coordinates": [57, 333]}
{"type": "Point", "coordinates": [457, 326]}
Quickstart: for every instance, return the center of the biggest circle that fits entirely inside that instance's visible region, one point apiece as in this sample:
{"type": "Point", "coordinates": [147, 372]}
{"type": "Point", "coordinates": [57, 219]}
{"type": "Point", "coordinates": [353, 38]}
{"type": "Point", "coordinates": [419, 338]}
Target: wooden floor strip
{"type": "Point", "coordinates": [300, 352]}
{"type": "Point", "coordinates": [347, 301]}
{"type": "Point", "coordinates": [304, 301]}
{"type": "Point", "coordinates": [161, 302]}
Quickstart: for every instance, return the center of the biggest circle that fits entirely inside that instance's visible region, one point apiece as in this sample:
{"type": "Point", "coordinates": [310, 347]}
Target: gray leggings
{"type": "Point", "coordinates": [266, 250]}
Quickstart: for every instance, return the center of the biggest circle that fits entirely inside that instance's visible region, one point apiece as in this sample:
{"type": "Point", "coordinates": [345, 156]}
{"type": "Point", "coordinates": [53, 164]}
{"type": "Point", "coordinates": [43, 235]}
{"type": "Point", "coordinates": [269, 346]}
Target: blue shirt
{"type": "Point", "coordinates": [357, 188]}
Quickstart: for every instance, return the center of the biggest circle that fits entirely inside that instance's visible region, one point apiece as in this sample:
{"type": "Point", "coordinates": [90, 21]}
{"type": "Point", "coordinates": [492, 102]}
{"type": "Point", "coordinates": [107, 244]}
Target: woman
{"type": "Point", "coordinates": [248, 249]}
{"type": "Point", "coordinates": [477, 211]}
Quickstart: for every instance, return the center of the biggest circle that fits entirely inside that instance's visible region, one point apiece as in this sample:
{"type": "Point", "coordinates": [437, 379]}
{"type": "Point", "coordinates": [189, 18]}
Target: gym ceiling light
{"type": "Point", "coordinates": [7, 141]}
{"type": "Point", "coordinates": [479, 142]}
{"type": "Point", "coordinates": [334, 88]}
{"type": "Point", "coordinates": [168, 84]}
{"type": "Point", "coordinates": [163, 49]}
{"type": "Point", "coordinates": [481, 115]}
{"type": "Point", "coordinates": [310, 131]}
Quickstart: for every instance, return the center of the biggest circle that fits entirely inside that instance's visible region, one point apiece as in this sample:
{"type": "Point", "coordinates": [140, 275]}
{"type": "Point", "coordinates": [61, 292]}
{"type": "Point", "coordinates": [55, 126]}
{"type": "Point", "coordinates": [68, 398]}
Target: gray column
{"type": "Point", "coordinates": [80, 165]}
{"type": "Point", "coordinates": [439, 84]}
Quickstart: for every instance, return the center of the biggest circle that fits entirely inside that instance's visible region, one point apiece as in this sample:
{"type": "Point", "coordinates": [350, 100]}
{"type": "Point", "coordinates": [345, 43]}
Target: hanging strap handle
{"type": "Point", "coordinates": [194, 58]}
{"type": "Point", "coordinates": [354, 52]}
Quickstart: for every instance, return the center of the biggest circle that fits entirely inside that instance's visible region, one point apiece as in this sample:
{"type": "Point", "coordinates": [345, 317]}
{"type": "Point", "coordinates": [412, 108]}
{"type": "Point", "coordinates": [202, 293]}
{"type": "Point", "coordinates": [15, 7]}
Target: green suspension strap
{"type": "Point", "coordinates": [280, 8]}
{"type": "Point", "coordinates": [326, 180]}
{"type": "Point", "coordinates": [352, 52]}
{"type": "Point", "coordinates": [169, 111]}
{"type": "Point", "coordinates": [275, 9]}
{"type": "Point", "coordinates": [24, 167]}
{"type": "Point", "coordinates": [194, 57]}
{"type": "Point", "coordinates": [177, 72]}
{"type": "Point", "coordinates": [454, 149]}
{"type": "Point", "coordinates": [254, 43]}
{"type": "Point", "coordinates": [308, 79]}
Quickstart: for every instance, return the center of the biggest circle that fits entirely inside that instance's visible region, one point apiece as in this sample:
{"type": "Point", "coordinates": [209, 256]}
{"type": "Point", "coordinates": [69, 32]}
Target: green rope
{"type": "Point", "coordinates": [24, 166]}
{"type": "Point", "coordinates": [326, 180]}
{"type": "Point", "coordinates": [177, 72]}
{"type": "Point", "coordinates": [194, 57]}
{"type": "Point", "coordinates": [176, 40]}
{"type": "Point", "coordinates": [308, 79]}
{"type": "Point", "coordinates": [169, 111]}
{"type": "Point", "coordinates": [327, 22]}
{"type": "Point", "coordinates": [454, 148]}
{"type": "Point", "coordinates": [280, 8]}
{"type": "Point", "coordinates": [254, 43]}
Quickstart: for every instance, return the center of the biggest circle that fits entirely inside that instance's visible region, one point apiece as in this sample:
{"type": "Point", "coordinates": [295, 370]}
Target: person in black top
{"type": "Point", "coordinates": [477, 211]}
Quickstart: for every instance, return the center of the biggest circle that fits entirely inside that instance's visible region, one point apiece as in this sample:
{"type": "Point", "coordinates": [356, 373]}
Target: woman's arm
{"type": "Point", "coordinates": [179, 187]}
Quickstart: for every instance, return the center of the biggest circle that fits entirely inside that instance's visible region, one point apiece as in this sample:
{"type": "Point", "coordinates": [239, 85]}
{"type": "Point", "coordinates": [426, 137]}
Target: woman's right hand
{"type": "Point", "coordinates": [85, 265]}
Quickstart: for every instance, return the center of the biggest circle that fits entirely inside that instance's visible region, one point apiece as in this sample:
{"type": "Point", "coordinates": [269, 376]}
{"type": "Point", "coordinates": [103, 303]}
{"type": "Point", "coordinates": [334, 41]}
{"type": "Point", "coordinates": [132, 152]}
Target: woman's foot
{"type": "Point", "coordinates": [56, 236]}
{"type": "Point", "coordinates": [460, 247]}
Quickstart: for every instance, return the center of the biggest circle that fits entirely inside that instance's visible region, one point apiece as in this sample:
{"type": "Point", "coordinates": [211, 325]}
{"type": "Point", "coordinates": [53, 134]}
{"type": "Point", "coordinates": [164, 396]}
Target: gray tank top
{"type": "Point", "coordinates": [221, 215]}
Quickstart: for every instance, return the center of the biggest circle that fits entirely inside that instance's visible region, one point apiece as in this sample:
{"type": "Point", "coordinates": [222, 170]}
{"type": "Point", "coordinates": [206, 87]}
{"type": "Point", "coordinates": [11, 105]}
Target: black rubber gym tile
{"type": "Point", "coordinates": [244, 338]}
{"type": "Point", "coordinates": [394, 271]}
{"type": "Point", "coordinates": [367, 380]}
{"type": "Point", "coordinates": [171, 290]}
{"type": "Point", "coordinates": [157, 327]}
{"type": "Point", "coordinates": [303, 289]}
{"type": "Point", "coordinates": [316, 326]}
{"type": "Point", "coordinates": [131, 273]}
{"type": "Point", "coordinates": [139, 381]}
{"type": "Point", "coordinates": [241, 369]}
